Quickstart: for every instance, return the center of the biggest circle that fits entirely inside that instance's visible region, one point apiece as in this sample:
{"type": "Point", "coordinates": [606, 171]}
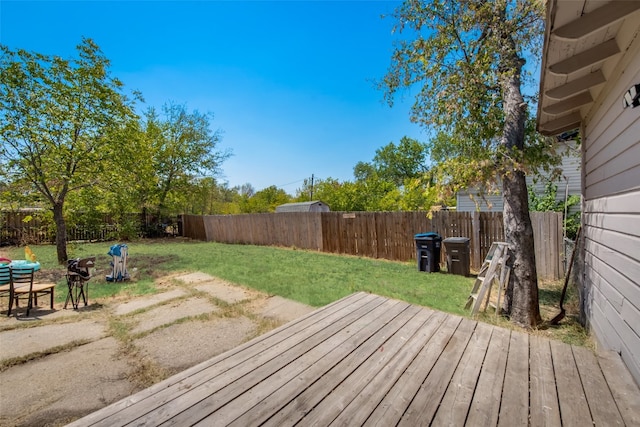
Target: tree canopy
{"type": "Point", "coordinates": [56, 117]}
{"type": "Point", "coordinates": [467, 61]}
{"type": "Point", "coordinates": [70, 134]}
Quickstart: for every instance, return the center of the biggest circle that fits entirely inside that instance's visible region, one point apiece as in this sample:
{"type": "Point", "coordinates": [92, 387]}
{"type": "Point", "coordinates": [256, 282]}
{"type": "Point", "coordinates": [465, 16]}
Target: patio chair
{"type": "Point", "coordinates": [78, 275]}
{"type": "Point", "coordinates": [6, 290]}
{"type": "Point", "coordinates": [23, 285]}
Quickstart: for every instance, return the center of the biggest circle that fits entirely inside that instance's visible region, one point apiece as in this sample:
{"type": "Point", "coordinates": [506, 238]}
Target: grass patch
{"type": "Point", "coordinates": [312, 278]}
{"type": "Point", "coordinates": [7, 363]}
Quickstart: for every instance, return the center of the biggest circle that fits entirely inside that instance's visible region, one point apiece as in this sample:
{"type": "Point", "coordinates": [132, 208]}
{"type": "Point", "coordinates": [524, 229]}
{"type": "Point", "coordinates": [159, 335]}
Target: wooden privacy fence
{"type": "Point", "coordinates": [387, 235]}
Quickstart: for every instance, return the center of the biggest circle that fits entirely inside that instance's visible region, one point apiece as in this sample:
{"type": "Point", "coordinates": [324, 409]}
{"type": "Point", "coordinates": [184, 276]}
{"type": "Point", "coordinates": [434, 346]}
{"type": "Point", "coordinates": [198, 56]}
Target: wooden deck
{"type": "Point", "coordinates": [369, 360]}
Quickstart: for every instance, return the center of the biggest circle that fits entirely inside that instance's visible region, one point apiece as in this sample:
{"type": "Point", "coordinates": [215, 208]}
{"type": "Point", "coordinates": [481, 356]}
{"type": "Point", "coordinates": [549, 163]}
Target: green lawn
{"type": "Point", "coordinates": [309, 277]}
{"type": "Point", "coordinates": [312, 278]}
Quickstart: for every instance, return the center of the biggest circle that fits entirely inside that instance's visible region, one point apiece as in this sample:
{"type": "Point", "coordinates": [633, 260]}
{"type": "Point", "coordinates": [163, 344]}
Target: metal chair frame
{"type": "Point", "coordinates": [78, 284]}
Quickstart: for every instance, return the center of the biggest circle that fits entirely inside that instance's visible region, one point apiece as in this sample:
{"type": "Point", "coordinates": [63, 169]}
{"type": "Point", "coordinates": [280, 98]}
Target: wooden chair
{"type": "Point", "coordinates": [22, 282]}
{"type": "Point", "coordinates": [6, 289]}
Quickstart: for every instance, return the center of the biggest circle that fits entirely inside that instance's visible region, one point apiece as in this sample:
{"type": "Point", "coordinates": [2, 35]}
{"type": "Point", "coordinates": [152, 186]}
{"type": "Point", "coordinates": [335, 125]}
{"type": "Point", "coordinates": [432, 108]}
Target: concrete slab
{"type": "Point", "coordinates": [171, 312]}
{"type": "Point", "coordinates": [225, 292]}
{"type": "Point", "coordinates": [144, 302]}
{"type": "Point", "coordinates": [59, 388]}
{"type": "Point", "coordinates": [196, 277]}
{"type": "Point", "coordinates": [81, 379]}
{"type": "Point", "coordinates": [24, 341]}
{"type": "Point", "coordinates": [186, 344]}
{"type": "Point", "coordinates": [284, 309]}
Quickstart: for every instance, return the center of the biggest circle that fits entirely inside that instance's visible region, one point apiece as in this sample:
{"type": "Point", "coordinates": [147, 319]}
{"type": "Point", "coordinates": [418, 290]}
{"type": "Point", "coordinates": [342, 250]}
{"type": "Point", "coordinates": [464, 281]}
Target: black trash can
{"type": "Point", "coordinates": [428, 251]}
{"type": "Point", "coordinates": [458, 256]}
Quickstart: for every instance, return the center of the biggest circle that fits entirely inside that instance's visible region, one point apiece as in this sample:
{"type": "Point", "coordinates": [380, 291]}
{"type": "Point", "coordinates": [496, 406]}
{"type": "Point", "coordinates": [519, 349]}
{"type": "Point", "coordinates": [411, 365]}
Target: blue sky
{"type": "Point", "coordinates": [290, 83]}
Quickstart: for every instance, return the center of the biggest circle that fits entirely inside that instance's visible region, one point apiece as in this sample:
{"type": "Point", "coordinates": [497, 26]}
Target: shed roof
{"type": "Point", "coordinates": [299, 206]}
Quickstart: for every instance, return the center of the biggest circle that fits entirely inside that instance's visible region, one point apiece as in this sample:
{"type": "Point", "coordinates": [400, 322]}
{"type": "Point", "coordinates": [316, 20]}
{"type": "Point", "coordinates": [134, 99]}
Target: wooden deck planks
{"type": "Point", "coordinates": [544, 408]}
{"type": "Point", "coordinates": [622, 387]}
{"type": "Point", "coordinates": [601, 403]}
{"type": "Point", "coordinates": [514, 408]}
{"type": "Point", "coordinates": [213, 395]}
{"type": "Point", "coordinates": [392, 407]}
{"type": "Point", "coordinates": [486, 399]}
{"type": "Point", "coordinates": [455, 404]}
{"type": "Point", "coordinates": [427, 399]}
{"type": "Point", "coordinates": [361, 407]}
{"type": "Point", "coordinates": [369, 360]}
{"type": "Point", "coordinates": [333, 392]}
{"type": "Point", "coordinates": [302, 376]}
{"type": "Point", "coordinates": [574, 409]}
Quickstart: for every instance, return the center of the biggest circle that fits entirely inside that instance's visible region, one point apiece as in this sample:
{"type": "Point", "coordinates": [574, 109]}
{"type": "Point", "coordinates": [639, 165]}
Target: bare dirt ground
{"type": "Point", "coordinates": [57, 366]}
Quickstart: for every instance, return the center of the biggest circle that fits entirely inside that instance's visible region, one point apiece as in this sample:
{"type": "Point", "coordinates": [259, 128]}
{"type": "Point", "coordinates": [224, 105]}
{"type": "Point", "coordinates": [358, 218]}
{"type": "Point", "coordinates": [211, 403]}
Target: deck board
{"type": "Point", "coordinates": [455, 404]}
{"type": "Point", "coordinates": [601, 403]}
{"type": "Point", "coordinates": [486, 400]}
{"type": "Point", "coordinates": [574, 409]}
{"type": "Point", "coordinates": [361, 407]}
{"type": "Point", "coordinates": [390, 410]}
{"type": "Point", "coordinates": [370, 360]}
{"type": "Point", "coordinates": [514, 408]}
{"type": "Point", "coordinates": [543, 406]}
{"type": "Point", "coordinates": [429, 395]}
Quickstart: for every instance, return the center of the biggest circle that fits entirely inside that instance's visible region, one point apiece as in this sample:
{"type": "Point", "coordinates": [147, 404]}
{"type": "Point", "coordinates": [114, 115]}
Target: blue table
{"type": "Point", "coordinates": [23, 263]}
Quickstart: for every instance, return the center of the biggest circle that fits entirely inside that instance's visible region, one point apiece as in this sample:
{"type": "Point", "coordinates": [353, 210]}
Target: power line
{"type": "Point", "coordinates": [291, 183]}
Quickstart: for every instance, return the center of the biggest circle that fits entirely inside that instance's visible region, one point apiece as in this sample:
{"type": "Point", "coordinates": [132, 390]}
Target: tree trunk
{"type": "Point", "coordinates": [521, 298]}
{"type": "Point", "coordinates": [61, 232]}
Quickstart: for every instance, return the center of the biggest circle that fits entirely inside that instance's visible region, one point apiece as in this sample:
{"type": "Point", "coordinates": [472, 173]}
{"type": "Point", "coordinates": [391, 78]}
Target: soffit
{"type": "Point", "coordinates": [585, 40]}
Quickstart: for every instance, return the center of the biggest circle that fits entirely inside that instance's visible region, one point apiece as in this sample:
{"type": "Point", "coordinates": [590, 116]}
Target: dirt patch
{"type": "Point", "coordinates": [57, 366]}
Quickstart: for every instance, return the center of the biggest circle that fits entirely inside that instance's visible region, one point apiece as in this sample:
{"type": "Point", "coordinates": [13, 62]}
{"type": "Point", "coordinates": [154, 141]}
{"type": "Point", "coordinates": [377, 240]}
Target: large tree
{"type": "Point", "coordinates": [183, 149]}
{"type": "Point", "coordinates": [397, 163]}
{"type": "Point", "coordinates": [56, 117]}
{"type": "Point", "coordinates": [467, 59]}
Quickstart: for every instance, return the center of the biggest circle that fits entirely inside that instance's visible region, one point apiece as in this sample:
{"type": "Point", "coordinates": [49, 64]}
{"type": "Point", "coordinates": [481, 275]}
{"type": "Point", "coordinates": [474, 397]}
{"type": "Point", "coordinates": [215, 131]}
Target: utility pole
{"type": "Point", "coordinates": [311, 187]}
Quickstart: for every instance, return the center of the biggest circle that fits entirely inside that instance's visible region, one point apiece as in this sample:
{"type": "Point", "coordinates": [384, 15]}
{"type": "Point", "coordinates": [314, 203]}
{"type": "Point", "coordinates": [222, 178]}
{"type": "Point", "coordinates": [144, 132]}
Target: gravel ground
{"type": "Point", "coordinates": [57, 366]}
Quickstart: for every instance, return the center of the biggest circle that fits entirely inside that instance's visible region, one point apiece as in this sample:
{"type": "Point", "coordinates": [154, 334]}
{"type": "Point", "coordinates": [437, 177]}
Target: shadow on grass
{"type": "Point", "coordinates": [550, 297]}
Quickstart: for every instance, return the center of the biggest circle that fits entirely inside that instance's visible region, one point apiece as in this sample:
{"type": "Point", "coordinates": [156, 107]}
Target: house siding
{"type": "Point", "coordinates": [490, 203]}
{"type": "Point", "coordinates": [570, 179]}
{"type": "Point", "coordinates": [611, 156]}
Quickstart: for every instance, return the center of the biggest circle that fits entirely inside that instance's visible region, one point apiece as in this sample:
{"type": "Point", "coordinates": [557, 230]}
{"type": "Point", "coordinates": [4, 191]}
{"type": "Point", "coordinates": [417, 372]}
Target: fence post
{"type": "Point", "coordinates": [475, 239]}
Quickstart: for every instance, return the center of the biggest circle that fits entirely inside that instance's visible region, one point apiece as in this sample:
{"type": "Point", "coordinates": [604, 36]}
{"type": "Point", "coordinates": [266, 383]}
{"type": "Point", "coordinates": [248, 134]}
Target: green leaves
{"type": "Point", "coordinates": [54, 117]}
{"type": "Point", "coordinates": [458, 54]}
{"type": "Point", "coordinates": [55, 113]}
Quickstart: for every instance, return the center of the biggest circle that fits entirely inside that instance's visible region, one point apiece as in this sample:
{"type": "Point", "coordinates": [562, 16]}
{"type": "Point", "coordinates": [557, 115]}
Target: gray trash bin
{"type": "Point", "coordinates": [458, 257]}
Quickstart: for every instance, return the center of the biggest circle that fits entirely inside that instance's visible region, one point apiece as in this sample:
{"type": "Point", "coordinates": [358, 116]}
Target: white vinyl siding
{"type": "Point", "coordinates": [488, 203]}
{"type": "Point", "coordinates": [570, 177]}
{"type": "Point", "coordinates": [611, 152]}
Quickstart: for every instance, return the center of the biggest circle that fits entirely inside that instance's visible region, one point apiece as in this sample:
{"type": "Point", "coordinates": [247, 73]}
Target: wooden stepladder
{"type": "Point", "coordinates": [494, 269]}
